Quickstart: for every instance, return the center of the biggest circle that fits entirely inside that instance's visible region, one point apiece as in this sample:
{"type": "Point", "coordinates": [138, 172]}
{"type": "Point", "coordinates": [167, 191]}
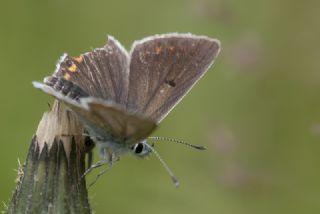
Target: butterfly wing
{"type": "Point", "coordinates": [130, 127]}
{"type": "Point", "coordinates": [164, 68]}
{"type": "Point", "coordinates": [102, 73]}
{"type": "Point", "coordinates": [106, 120]}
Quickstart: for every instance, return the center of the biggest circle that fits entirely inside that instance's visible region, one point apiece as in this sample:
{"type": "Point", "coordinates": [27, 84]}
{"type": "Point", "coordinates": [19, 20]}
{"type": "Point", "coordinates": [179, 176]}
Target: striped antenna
{"type": "Point", "coordinates": [167, 139]}
{"type": "Point", "coordinates": [164, 164]}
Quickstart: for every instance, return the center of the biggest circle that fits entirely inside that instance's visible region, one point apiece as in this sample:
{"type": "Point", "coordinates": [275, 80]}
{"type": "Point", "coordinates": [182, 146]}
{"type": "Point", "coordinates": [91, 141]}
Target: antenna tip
{"type": "Point", "coordinates": [200, 147]}
{"type": "Point", "coordinates": [176, 182]}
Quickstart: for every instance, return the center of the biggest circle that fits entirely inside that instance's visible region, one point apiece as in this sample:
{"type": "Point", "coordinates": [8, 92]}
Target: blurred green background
{"type": "Point", "coordinates": [257, 109]}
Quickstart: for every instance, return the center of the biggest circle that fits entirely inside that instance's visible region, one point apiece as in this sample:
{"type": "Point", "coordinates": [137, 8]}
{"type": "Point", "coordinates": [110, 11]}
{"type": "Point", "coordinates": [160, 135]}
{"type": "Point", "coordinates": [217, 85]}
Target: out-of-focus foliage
{"type": "Point", "coordinates": [257, 109]}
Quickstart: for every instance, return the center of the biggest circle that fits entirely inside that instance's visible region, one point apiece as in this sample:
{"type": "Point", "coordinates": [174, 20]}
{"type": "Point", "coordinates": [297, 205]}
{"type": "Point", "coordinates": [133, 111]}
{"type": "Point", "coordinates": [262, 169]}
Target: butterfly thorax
{"type": "Point", "coordinates": [109, 143]}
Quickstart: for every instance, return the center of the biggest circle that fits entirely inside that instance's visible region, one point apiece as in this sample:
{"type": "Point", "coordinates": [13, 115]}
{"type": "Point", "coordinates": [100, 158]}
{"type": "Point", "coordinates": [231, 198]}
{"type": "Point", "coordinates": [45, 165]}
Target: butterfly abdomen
{"type": "Point", "coordinates": [67, 88]}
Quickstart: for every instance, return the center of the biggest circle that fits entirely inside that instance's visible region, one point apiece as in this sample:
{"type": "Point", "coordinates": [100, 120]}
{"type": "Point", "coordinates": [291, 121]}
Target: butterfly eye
{"type": "Point", "coordinates": [138, 148]}
{"type": "Point", "coordinates": [141, 149]}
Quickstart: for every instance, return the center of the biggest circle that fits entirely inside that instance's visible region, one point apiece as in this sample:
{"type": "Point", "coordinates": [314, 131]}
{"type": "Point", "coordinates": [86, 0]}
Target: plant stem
{"type": "Point", "coordinates": [50, 180]}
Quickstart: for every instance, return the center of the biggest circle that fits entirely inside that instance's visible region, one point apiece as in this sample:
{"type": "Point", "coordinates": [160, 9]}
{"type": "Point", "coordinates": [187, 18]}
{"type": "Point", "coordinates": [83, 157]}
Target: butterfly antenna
{"type": "Point", "coordinates": [165, 165]}
{"type": "Point", "coordinates": [167, 139]}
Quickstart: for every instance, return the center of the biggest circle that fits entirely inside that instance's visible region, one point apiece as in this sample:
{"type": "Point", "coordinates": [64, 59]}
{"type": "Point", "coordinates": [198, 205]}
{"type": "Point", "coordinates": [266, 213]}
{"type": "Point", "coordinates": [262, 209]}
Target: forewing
{"type": "Point", "coordinates": [103, 118]}
{"type": "Point", "coordinates": [164, 68]}
{"type": "Point", "coordinates": [102, 73]}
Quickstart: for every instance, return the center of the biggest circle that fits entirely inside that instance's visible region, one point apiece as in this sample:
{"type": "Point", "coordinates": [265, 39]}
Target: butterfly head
{"type": "Point", "coordinates": [140, 149]}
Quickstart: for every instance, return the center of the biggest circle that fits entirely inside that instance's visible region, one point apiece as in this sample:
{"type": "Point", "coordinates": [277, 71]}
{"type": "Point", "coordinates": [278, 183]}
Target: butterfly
{"type": "Point", "coordinates": [121, 97]}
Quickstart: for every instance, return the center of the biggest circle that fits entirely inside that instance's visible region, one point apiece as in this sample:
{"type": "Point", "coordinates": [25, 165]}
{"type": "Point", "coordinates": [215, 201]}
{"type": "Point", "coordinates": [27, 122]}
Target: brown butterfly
{"type": "Point", "coordinates": [121, 97]}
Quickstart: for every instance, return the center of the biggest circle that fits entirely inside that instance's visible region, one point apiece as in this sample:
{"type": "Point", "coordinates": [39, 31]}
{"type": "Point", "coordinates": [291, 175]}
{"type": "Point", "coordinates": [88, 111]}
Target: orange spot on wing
{"type": "Point", "coordinates": [67, 76]}
{"type": "Point", "coordinates": [158, 49]}
{"type": "Point", "coordinates": [73, 68]}
{"type": "Point", "coordinates": [79, 59]}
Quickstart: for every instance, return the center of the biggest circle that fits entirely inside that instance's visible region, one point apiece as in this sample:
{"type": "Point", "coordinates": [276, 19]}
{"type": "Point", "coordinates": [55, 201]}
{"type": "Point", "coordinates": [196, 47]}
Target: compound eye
{"type": "Point", "coordinates": [138, 148]}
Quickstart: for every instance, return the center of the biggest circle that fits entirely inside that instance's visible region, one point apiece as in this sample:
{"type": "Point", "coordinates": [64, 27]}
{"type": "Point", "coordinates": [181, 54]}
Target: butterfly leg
{"type": "Point", "coordinates": [112, 158]}
{"type": "Point", "coordinates": [89, 159]}
{"type": "Point", "coordinates": [105, 160]}
{"type": "Point", "coordinates": [94, 166]}
{"type": "Point", "coordinates": [100, 174]}
{"type": "Point", "coordinates": [89, 145]}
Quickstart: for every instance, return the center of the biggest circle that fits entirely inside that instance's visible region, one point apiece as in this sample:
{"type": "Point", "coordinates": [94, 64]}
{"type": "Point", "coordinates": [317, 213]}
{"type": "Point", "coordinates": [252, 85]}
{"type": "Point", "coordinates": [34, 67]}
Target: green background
{"type": "Point", "coordinates": [257, 109]}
